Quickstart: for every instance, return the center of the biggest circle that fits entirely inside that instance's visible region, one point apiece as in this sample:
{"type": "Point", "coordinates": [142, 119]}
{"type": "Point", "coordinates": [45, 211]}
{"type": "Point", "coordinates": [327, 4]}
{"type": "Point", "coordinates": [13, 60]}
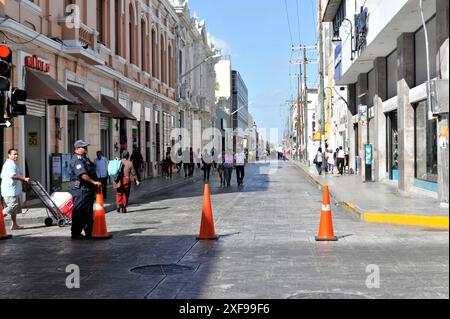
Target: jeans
{"type": "Point", "coordinates": [319, 168]}
{"type": "Point", "coordinates": [228, 175]}
{"type": "Point", "coordinates": [206, 172]}
{"type": "Point", "coordinates": [341, 163]}
{"type": "Point", "coordinates": [240, 173]}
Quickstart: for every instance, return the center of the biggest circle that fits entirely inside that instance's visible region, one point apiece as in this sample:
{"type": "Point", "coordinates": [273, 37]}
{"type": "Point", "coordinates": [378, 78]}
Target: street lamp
{"type": "Point", "coordinates": [337, 38]}
{"type": "Point", "coordinates": [198, 65]}
{"type": "Point", "coordinates": [232, 122]}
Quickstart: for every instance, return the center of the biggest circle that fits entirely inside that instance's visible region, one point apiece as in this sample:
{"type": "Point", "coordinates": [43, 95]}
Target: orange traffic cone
{"type": "Point", "coordinates": [100, 230]}
{"type": "Point", "coordinates": [207, 231]}
{"type": "Point", "coordinates": [326, 232]}
{"type": "Point", "coordinates": [3, 234]}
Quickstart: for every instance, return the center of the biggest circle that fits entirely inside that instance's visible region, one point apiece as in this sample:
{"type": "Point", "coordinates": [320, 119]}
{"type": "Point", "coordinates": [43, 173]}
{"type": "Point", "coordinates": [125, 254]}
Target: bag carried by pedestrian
{"type": "Point", "coordinates": [114, 168]}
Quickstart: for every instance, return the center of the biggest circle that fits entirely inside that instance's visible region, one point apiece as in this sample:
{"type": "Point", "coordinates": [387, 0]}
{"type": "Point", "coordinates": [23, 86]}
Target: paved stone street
{"type": "Point", "coordinates": [266, 249]}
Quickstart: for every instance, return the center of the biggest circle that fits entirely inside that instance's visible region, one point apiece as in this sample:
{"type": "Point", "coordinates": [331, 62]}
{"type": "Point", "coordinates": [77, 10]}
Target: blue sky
{"type": "Point", "coordinates": [256, 34]}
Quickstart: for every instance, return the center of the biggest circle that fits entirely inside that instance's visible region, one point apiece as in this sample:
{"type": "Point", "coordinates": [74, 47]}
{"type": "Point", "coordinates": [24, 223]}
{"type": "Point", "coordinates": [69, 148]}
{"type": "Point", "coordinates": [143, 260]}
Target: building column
{"type": "Point", "coordinates": [379, 138]}
{"type": "Point", "coordinates": [442, 38]}
{"type": "Point", "coordinates": [405, 62]}
{"type": "Point", "coordinates": [362, 91]}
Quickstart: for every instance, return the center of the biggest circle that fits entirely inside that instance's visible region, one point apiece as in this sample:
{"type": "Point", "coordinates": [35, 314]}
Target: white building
{"type": "Point", "coordinates": [195, 75]}
{"type": "Point", "coordinates": [380, 55]}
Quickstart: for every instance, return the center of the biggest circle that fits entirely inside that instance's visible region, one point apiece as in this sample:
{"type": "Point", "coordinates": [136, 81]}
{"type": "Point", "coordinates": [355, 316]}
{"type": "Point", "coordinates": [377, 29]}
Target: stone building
{"type": "Point", "coordinates": [111, 80]}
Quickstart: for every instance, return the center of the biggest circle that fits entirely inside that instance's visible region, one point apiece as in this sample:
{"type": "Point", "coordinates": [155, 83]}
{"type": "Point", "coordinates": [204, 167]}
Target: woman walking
{"type": "Point", "coordinates": [169, 163]}
{"type": "Point", "coordinates": [207, 163]}
{"type": "Point", "coordinates": [122, 184]}
{"type": "Point", "coordinates": [318, 160]}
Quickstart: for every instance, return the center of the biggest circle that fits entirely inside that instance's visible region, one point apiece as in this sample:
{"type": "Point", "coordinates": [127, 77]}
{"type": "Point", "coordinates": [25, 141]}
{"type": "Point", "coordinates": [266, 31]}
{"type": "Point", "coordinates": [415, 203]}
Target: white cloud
{"type": "Point", "coordinates": [221, 44]}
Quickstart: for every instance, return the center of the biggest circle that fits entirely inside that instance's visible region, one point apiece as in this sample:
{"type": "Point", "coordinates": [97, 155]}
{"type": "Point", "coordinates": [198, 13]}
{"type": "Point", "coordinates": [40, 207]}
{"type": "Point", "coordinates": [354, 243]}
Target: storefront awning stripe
{"type": "Point", "coordinates": [88, 103]}
{"type": "Point", "coordinates": [117, 110]}
{"type": "Point", "coordinates": [41, 86]}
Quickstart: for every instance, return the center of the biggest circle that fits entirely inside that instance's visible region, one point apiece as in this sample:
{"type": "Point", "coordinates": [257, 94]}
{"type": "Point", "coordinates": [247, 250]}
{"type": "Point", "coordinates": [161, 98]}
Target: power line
{"type": "Point", "coordinates": [298, 24]}
{"type": "Point", "coordinates": [289, 22]}
{"type": "Point", "coordinates": [314, 18]}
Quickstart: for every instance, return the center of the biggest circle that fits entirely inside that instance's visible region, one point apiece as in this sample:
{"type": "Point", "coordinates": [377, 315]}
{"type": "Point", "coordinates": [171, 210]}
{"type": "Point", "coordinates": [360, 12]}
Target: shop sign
{"type": "Point", "coordinates": [361, 28]}
{"type": "Point", "coordinates": [338, 62]}
{"type": "Point", "coordinates": [362, 115]}
{"type": "Point", "coordinates": [368, 151]}
{"type": "Point", "coordinates": [33, 139]}
{"type": "Point", "coordinates": [34, 62]}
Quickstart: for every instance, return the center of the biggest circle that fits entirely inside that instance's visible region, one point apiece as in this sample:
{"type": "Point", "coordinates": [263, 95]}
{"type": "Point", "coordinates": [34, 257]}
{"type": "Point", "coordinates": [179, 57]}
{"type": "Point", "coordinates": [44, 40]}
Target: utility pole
{"type": "Point", "coordinates": [321, 75]}
{"type": "Point", "coordinates": [299, 111]}
{"type": "Point", "coordinates": [305, 61]}
{"type": "Point", "coordinates": [305, 105]}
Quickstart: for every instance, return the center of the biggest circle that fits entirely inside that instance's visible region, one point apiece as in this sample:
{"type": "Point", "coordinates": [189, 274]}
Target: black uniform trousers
{"type": "Point", "coordinates": [82, 212]}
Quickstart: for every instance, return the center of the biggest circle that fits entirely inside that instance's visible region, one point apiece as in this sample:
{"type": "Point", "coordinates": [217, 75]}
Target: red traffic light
{"type": "Point", "coordinates": [5, 52]}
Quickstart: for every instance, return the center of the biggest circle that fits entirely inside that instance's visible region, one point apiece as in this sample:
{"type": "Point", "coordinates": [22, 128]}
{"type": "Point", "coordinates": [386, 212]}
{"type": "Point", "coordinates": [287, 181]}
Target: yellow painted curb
{"type": "Point", "coordinates": [441, 222]}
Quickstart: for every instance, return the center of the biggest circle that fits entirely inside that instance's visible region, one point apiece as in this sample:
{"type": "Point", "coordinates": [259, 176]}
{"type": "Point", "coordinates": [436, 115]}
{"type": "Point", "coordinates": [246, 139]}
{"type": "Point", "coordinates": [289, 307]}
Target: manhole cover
{"type": "Point", "coordinates": [162, 270]}
{"type": "Point", "coordinates": [328, 295]}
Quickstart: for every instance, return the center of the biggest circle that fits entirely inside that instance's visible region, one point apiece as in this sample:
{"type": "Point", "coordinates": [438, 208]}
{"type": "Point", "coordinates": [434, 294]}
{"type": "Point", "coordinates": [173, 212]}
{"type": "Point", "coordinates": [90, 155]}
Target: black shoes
{"type": "Point", "coordinates": [79, 237]}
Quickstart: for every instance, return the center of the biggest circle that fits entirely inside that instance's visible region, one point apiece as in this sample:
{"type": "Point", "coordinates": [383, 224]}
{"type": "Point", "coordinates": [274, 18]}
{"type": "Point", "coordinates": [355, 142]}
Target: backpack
{"type": "Point", "coordinates": [114, 168]}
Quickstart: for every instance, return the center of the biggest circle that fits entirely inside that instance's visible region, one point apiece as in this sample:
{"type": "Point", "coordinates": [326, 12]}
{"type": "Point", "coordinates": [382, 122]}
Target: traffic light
{"type": "Point", "coordinates": [15, 108]}
{"type": "Point", "coordinates": [5, 67]}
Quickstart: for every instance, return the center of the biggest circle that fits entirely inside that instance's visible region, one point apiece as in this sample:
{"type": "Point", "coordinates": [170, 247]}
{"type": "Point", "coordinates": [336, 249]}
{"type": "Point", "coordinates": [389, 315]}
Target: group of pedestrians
{"type": "Point", "coordinates": [87, 179]}
{"type": "Point", "coordinates": [227, 162]}
{"type": "Point", "coordinates": [328, 160]}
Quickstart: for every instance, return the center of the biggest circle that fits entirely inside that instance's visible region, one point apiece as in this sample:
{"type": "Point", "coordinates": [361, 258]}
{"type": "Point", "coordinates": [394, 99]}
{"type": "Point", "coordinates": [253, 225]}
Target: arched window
{"type": "Point", "coordinates": [163, 67]}
{"type": "Point", "coordinates": [132, 34]}
{"type": "Point", "coordinates": [144, 46]}
{"type": "Point", "coordinates": [117, 22]}
{"type": "Point", "coordinates": [170, 82]}
{"type": "Point", "coordinates": [154, 55]}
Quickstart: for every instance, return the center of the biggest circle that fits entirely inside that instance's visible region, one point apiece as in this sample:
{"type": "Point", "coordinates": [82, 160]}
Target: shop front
{"type": "Point", "coordinates": [40, 129]}
{"type": "Point", "coordinates": [122, 116]}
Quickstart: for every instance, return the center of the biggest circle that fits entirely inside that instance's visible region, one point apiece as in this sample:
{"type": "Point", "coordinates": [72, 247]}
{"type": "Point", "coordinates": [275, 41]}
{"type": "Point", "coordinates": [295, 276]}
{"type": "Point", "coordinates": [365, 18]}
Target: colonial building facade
{"type": "Point", "coordinates": [112, 80]}
{"type": "Point", "coordinates": [381, 57]}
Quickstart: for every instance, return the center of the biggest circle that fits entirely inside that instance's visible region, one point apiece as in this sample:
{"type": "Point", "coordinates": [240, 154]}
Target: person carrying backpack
{"type": "Point", "coordinates": [318, 160]}
{"type": "Point", "coordinates": [122, 184]}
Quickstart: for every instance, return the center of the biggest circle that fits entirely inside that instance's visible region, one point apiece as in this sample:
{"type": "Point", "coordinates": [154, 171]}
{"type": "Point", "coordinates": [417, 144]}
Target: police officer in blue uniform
{"type": "Point", "coordinates": [84, 186]}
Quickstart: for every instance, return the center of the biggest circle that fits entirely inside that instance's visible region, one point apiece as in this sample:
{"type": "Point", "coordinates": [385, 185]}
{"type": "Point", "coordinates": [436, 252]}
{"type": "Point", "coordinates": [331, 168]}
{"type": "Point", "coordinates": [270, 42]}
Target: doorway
{"type": "Point", "coordinates": [35, 163]}
{"type": "Point", "coordinates": [392, 143]}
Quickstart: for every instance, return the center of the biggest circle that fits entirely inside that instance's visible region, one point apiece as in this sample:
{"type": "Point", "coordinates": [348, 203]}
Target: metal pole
{"type": "Point", "coordinates": [305, 105]}
{"type": "Point", "coordinates": [299, 120]}
{"type": "Point", "coordinates": [427, 49]}
{"type": "Point", "coordinates": [321, 75]}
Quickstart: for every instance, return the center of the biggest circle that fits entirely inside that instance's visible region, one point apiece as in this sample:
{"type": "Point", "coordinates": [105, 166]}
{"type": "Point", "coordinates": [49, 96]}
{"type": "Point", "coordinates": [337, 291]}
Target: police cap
{"type": "Point", "coordinates": [80, 144]}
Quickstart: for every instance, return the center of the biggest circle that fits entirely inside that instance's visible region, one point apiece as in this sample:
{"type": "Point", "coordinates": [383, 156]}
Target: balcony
{"type": "Point", "coordinates": [80, 42]}
{"type": "Point", "coordinates": [330, 8]}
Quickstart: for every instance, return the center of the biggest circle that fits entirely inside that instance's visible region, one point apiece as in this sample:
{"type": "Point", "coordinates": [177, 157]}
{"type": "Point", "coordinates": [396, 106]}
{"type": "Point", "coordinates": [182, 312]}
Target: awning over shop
{"type": "Point", "coordinates": [117, 110]}
{"type": "Point", "coordinates": [88, 103]}
{"type": "Point", "coordinates": [317, 137]}
{"type": "Point", "coordinates": [41, 86]}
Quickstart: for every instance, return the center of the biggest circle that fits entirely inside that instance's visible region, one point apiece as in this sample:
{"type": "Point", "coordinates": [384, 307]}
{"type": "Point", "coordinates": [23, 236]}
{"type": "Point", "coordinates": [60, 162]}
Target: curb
{"type": "Point", "coordinates": [434, 222]}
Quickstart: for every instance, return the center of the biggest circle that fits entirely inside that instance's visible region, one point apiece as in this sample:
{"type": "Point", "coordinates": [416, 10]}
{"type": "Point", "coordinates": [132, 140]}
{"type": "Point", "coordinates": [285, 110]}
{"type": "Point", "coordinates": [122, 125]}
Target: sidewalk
{"type": "Point", "coordinates": [36, 214]}
{"type": "Point", "coordinates": [381, 202]}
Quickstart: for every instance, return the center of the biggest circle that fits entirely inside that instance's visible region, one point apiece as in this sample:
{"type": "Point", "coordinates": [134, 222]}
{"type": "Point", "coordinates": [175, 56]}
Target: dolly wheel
{"type": "Point", "coordinates": [61, 223]}
{"type": "Point", "coordinates": [48, 222]}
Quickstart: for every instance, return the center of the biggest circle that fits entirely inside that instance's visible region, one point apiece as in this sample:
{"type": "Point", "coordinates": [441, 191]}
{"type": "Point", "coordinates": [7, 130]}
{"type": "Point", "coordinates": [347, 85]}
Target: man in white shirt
{"type": "Point", "coordinates": [240, 166]}
{"type": "Point", "coordinates": [11, 187]}
{"type": "Point", "coordinates": [101, 170]}
{"type": "Point", "coordinates": [341, 160]}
